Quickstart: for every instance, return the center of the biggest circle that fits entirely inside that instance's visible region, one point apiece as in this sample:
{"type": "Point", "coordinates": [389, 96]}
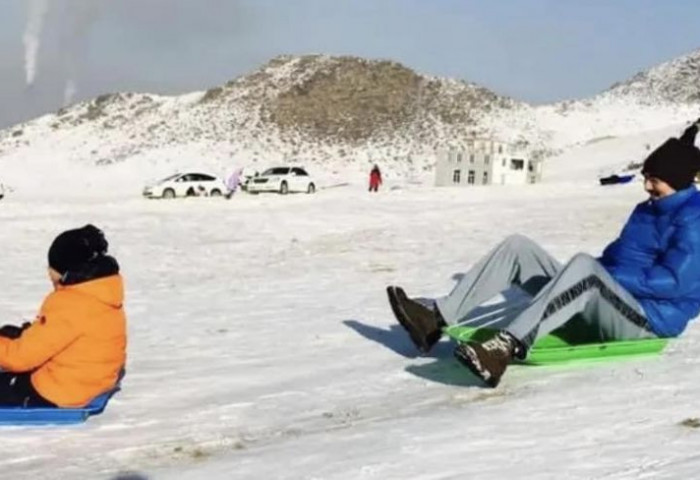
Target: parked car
{"type": "Point", "coordinates": [282, 180]}
{"type": "Point", "coordinates": [191, 184]}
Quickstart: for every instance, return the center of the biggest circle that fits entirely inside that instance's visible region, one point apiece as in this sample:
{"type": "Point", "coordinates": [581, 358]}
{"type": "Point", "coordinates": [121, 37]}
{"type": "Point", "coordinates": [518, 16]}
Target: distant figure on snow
{"type": "Point", "coordinates": [375, 179]}
{"type": "Point", "coordinates": [646, 284]}
{"type": "Point", "coordinates": [76, 347]}
{"type": "Point", "coordinates": [233, 182]}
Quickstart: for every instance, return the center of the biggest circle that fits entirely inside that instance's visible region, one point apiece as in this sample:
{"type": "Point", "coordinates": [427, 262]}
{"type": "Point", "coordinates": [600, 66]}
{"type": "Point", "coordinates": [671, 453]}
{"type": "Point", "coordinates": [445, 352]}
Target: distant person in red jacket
{"type": "Point", "coordinates": [375, 179]}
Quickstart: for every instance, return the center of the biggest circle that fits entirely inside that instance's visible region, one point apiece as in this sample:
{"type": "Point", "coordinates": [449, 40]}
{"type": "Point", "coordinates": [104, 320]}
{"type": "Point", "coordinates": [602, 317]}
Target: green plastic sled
{"type": "Point", "coordinates": [553, 349]}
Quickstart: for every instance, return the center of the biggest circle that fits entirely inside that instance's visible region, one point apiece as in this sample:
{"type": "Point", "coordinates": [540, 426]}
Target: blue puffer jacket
{"type": "Point", "coordinates": [657, 259]}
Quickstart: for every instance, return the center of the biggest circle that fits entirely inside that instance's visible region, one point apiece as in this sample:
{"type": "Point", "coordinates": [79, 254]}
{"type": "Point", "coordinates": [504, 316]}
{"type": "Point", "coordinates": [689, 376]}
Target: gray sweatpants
{"type": "Point", "coordinates": [580, 297]}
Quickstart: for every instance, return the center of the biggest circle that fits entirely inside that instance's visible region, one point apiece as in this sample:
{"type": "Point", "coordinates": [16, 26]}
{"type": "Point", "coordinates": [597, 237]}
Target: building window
{"type": "Point", "coordinates": [456, 176]}
{"type": "Point", "coordinates": [530, 167]}
{"type": "Point", "coordinates": [470, 177]}
{"type": "Point", "coordinates": [459, 158]}
{"type": "Point", "coordinates": [486, 178]}
{"type": "Point", "coordinates": [517, 164]}
{"type": "Point", "coordinates": [500, 149]}
{"type": "Point", "coordinates": [487, 158]}
{"type": "Point", "coordinates": [471, 158]}
{"type": "Point", "coordinates": [503, 162]}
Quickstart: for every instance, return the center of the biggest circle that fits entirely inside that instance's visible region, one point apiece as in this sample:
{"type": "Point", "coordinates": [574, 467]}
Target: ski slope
{"type": "Point", "coordinates": [261, 344]}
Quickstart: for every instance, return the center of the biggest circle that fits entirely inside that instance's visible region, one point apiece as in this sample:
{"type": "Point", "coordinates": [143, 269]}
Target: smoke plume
{"type": "Point", "coordinates": [69, 92]}
{"type": "Point", "coordinates": [80, 16]}
{"type": "Point", "coordinates": [32, 36]}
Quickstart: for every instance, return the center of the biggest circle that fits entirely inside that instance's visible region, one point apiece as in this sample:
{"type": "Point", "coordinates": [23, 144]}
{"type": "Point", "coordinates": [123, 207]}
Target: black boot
{"type": "Point", "coordinates": [489, 360]}
{"type": "Point", "coordinates": [424, 325]}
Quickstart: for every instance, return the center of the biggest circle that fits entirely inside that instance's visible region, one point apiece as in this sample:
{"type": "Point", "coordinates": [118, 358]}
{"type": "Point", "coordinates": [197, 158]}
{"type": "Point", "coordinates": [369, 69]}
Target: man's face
{"type": "Point", "coordinates": [657, 188]}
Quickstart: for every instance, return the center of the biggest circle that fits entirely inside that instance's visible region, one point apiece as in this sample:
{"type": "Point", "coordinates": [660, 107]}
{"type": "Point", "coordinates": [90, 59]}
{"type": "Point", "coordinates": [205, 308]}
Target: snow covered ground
{"type": "Point", "coordinates": [261, 344]}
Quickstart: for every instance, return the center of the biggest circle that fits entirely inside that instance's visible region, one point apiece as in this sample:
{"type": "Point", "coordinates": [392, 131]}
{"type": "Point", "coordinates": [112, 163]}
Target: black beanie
{"type": "Point", "coordinates": [74, 248]}
{"type": "Point", "coordinates": [675, 162]}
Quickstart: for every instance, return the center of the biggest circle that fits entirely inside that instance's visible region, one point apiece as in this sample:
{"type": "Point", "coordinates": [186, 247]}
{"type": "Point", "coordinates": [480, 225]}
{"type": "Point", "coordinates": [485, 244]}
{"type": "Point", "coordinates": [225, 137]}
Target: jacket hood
{"type": "Point", "coordinates": [107, 290]}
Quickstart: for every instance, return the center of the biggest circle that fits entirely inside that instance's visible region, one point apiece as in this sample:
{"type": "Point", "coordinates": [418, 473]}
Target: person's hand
{"type": "Point", "coordinates": [13, 331]}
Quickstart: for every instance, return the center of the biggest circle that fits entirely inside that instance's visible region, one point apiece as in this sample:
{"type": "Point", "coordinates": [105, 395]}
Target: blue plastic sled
{"type": "Point", "coordinates": [20, 416]}
{"type": "Point", "coordinates": [616, 179]}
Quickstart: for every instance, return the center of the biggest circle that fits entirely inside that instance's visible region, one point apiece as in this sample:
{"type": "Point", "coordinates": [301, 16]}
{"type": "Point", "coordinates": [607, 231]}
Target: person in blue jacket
{"type": "Point", "coordinates": [645, 285]}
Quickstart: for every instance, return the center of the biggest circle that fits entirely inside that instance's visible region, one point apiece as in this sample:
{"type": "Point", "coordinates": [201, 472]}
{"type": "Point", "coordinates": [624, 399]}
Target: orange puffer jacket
{"type": "Point", "coordinates": [76, 346]}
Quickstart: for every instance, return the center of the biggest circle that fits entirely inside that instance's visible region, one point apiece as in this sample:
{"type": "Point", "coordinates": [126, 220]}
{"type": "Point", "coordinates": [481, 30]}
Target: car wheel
{"type": "Point", "coordinates": [311, 188]}
{"type": "Point", "coordinates": [168, 193]}
{"type": "Point", "coordinates": [215, 193]}
{"type": "Point", "coordinates": [284, 188]}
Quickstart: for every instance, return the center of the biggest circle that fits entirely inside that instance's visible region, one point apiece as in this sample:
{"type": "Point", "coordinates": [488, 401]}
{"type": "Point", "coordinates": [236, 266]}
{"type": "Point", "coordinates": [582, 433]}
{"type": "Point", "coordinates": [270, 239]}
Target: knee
{"type": "Point", "coordinates": [517, 240]}
{"type": "Point", "coordinates": [582, 259]}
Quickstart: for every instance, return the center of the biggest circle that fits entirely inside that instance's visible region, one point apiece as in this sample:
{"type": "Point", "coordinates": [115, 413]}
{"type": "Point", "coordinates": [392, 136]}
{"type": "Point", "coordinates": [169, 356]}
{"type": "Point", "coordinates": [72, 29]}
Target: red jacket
{"type": "Point", "coordinates": [375, 178]}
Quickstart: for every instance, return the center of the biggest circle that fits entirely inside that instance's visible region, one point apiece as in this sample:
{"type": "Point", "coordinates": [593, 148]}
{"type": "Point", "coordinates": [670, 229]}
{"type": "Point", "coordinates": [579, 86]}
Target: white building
{"type": "Point", "coordinates": [486, 162]}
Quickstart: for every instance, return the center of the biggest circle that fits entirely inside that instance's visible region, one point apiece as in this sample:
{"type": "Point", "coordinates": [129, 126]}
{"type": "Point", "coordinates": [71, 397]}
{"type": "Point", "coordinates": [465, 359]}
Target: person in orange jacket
{"type": "Point", "coordinates": [76, 347]}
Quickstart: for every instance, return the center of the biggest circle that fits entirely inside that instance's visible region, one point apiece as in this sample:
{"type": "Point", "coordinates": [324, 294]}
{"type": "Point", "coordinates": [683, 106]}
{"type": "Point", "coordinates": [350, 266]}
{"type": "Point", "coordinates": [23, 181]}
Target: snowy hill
{"type": "Point", "coordinates": [603, 156]}
{"type": "Point", "coordinates": [323, 110]}
{"type": "Point", "coordinates": [677, 81]}
{"type": "Point", "coordinates": [334, 114]}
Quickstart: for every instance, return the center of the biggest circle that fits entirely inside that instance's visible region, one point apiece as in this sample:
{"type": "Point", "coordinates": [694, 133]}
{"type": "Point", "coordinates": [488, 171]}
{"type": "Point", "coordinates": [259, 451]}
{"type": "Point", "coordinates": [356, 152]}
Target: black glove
{"type": "Point", "coordinates": [13, 331]}
{"type": "Point", "coordinates": [689, 134]}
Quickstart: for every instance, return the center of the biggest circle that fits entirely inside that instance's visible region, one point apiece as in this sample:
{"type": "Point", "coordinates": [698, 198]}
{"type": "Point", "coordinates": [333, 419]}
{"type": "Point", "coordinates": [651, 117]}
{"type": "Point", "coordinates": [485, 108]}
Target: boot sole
{"type": "Point", "coordinates": [405, 320]}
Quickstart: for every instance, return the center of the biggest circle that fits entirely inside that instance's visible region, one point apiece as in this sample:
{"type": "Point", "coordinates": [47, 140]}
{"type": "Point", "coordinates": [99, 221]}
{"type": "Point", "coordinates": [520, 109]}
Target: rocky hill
{"type": "Point", "coordinates": [677, 81]}
{"type": "Point", "coordinates": [316, 107]}
{"type": "Point", "coordinates": [342, 112]}
{"type": "Point", "coordinates": [354, 100]}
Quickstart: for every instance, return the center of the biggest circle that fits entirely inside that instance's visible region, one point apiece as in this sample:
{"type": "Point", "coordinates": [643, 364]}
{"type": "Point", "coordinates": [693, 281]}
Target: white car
{"type": "Point", "coordinates": [191, 184]}
{"type": "Point", "coordinates": [282, 180]}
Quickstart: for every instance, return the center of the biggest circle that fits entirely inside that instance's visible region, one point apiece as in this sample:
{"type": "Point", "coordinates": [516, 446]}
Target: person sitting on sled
{"type": "Point", "coordinates": [645, 285]}
{"type": "Point", "coordinates": [76, 347]}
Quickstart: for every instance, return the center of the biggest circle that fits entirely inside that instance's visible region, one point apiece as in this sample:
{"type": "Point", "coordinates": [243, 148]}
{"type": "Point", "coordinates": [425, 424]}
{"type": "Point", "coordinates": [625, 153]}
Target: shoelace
{"type": "Point", "coordinates": [498, 343]}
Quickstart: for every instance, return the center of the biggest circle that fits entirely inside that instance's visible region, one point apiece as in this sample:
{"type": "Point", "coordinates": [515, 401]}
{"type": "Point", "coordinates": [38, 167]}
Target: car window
{"type": "Point", "coordinates": [186, 178]}
{"type": "Point", "coordinates": [300, 171]}
{"type": "Point", "coordinates": [276, 171]}
{"type": "Point", "coordinates": [170, 178]}
{"type": "Point", "coordinates": [199, 177]}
